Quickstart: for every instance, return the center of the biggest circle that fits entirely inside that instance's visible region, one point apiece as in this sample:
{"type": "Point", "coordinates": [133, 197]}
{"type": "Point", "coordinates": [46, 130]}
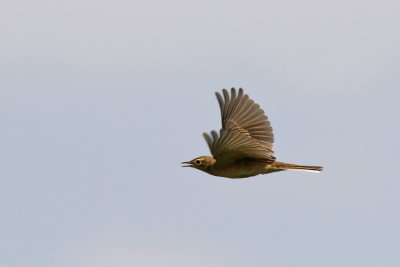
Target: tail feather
{"type": "Point", "coordinates": [288, 166]}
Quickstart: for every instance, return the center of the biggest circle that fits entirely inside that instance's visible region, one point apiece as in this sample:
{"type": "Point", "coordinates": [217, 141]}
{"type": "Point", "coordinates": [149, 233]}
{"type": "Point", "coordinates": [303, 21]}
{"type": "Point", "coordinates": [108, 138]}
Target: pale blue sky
{"type": "Point", "coordinates": [100, 101]}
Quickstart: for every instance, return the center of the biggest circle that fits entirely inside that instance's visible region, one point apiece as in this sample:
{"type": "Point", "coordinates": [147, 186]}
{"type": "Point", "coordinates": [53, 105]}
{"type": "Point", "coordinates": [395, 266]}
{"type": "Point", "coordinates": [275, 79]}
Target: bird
{"type": "Point", "coordinates": [244, 146]}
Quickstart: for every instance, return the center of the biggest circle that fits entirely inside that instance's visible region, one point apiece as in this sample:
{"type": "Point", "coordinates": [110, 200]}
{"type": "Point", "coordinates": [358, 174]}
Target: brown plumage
{"type": "Point", "coordinates": [244, 146]}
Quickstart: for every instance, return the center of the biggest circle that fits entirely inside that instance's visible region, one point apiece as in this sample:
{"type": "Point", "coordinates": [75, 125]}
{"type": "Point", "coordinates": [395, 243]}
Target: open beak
{"type": "Point", "coordinates": [189, 164]}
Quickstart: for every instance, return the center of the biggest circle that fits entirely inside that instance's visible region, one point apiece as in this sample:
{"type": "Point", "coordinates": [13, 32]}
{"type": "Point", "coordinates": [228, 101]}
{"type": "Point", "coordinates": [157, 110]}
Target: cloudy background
{"type": "Point", "coordinates": [100, 101]}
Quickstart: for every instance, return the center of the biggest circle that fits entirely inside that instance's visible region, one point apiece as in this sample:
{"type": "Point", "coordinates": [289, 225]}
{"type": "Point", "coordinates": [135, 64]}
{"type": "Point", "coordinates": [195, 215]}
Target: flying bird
{"type": "Point", "coordinates": [244, 146]}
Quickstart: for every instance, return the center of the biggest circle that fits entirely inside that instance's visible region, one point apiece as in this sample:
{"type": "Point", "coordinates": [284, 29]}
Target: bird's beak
{"type": "Point", "coordinates": [189, 164]}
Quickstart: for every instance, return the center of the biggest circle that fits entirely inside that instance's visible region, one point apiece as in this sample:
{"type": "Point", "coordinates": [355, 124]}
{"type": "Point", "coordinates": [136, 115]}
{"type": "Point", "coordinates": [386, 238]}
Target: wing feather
{"type": "Point", "coordinates": [246, 131]}
{"type": "Point", "coordinates": [240, 113]}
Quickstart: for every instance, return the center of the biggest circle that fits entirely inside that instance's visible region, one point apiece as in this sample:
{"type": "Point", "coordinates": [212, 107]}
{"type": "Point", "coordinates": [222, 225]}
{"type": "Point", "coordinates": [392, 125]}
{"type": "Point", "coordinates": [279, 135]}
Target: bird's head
{"type": "Point", "coordinates": [202, 163]}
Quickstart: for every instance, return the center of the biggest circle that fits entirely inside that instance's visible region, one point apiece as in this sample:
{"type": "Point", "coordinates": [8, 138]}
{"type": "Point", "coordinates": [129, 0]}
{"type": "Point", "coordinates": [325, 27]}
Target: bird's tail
{"type": "Point", "coordinates": [288, 166]}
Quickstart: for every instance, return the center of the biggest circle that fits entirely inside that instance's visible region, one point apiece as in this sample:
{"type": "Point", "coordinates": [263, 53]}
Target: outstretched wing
{"type": "Point", "coordinates": [241, 114]}
{"type": "Point", "coordinates": [246, 131]}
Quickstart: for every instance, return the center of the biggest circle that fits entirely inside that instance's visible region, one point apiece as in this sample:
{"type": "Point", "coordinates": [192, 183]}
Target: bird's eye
{"type": "Point", "coordinates": [197, 162]}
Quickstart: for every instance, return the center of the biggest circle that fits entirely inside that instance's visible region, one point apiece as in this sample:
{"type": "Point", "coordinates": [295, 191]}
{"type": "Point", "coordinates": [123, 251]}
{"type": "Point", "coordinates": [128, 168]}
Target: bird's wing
{"type": "Point", "coordinates": [231, 145]}
{"type": "Point", "coordinates": [241, 114]}
{"type": "Point", "coordinates": [246, 132]}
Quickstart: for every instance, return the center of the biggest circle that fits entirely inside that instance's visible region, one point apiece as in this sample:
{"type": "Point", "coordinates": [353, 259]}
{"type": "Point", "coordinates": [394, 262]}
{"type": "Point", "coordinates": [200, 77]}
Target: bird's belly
{"type": "Point", "coordinates": [239, 169]}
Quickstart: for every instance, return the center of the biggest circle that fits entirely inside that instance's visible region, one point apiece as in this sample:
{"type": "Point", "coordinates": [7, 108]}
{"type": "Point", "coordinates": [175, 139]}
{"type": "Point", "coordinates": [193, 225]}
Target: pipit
{"type": "Point", "coordinates": [244, 146]}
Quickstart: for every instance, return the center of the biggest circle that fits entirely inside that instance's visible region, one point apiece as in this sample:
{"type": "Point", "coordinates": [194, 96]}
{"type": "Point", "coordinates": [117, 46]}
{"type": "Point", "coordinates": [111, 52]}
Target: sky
{"type": "Point", "coordinates": [100, 102]}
